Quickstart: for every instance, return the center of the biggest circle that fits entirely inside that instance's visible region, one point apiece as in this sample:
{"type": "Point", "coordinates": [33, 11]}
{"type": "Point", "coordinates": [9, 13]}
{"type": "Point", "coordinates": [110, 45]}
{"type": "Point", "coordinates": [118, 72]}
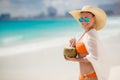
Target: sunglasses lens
{"type": "Point", "coordinates": [86, 19]}
{"type": "Point", "coordinates": [80, 19]}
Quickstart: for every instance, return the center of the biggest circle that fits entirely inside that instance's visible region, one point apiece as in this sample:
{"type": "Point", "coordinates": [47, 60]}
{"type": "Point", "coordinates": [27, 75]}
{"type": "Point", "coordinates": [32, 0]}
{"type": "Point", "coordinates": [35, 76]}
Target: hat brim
{"type": "Point", "coordinates": [100, 16]}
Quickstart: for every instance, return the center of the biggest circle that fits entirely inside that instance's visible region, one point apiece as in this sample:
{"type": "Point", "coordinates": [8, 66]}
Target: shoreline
{"type": "Point", "coordinates": [38, 45]}
{"type": "Point", "coordinates": [32, 46]}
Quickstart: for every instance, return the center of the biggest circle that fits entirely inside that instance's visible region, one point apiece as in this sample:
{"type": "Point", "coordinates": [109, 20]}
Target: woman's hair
{"type": "Point", "coordinates": [88, 12]}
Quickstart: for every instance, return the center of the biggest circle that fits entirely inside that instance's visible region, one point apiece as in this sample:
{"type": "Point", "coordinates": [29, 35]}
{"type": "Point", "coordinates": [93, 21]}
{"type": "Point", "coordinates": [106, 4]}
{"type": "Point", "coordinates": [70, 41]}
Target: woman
{"type": "Point", "coordinates": [88, 47]}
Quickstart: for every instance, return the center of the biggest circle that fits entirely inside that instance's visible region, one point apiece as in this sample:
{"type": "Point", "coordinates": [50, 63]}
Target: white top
{"type": "Point", "coordinates": [96, 54]}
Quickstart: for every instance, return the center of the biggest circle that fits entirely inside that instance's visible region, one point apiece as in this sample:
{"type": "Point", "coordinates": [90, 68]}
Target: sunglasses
{"type": "Point", "coordinates": [84, 19]}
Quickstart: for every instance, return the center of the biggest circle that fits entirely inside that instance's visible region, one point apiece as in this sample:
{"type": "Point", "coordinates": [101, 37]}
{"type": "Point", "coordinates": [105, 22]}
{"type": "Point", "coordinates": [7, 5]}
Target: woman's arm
{"type": "Point", "coordinates": [91, 46]}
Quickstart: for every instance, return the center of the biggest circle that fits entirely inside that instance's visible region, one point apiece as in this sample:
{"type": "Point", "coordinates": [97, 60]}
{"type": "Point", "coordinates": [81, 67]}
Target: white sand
{"type": "Point", "coordinates": [39, 61]}
{"type": "Point", "coordinates": [112, 46]}
{"type": "Point", "coordinates": [114, 73]}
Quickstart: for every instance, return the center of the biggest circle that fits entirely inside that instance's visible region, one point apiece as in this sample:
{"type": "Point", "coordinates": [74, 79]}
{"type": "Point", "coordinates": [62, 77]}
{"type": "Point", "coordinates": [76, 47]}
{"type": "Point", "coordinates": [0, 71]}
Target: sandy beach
{"type": "Point", "coordinates": [39, 61]}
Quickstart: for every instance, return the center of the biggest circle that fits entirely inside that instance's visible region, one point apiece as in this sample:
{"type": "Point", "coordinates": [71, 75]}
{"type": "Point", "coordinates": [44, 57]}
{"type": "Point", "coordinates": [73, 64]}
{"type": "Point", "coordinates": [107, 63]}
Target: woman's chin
{"type": "Point", "coordinates": [85, 27]}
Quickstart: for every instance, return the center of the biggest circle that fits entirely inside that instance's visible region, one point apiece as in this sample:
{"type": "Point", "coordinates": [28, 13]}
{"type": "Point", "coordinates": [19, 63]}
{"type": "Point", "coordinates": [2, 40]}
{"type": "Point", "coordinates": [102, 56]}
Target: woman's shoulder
{"type": "Point", "coordinates": [92, 33]}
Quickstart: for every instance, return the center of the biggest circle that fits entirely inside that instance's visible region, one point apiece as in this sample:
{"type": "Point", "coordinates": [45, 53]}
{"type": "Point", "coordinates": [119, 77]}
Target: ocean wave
{"type": "Point", "coordinates": [10, 40]}
{"type": "Point", "coordinates": [33, 46]}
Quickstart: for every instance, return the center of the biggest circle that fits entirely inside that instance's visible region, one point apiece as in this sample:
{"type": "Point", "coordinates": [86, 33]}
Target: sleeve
{"type": "Point", "coordinates": [96, 55]}
{"type": "Point", "coordinates": [92, 46]}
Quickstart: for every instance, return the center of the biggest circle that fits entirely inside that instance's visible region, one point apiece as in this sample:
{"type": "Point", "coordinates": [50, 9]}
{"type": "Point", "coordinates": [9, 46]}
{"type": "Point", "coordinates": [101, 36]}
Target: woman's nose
{"type": "Point", "coordinates": [83, 23]}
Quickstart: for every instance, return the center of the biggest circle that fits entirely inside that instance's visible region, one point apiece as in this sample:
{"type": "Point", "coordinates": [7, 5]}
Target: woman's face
{"type": "Point", "coordinates": [88, 20]}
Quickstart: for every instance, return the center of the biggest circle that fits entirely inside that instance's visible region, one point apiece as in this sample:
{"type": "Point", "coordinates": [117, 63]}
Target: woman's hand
{"type": "Point", "coordinates": [72, 59]}
{"type": "Point", "coordinates": [76, 59]}
{"type": "Point", "coordinates": [72, 42]}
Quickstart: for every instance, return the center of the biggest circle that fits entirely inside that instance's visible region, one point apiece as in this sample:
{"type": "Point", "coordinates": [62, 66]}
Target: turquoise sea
{"type": "Point", "coordinates": [21, 31]}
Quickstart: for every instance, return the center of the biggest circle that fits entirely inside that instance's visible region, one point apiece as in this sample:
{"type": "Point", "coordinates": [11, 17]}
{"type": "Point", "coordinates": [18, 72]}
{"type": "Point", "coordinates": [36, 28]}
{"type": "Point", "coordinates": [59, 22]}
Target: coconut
{"type": "Point", "coordinates": [70, 52]}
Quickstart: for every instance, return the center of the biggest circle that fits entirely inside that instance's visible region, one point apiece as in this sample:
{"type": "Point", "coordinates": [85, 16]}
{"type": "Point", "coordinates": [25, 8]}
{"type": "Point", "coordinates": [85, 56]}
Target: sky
{"type": "Point", "coordinates": [34, 7]}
